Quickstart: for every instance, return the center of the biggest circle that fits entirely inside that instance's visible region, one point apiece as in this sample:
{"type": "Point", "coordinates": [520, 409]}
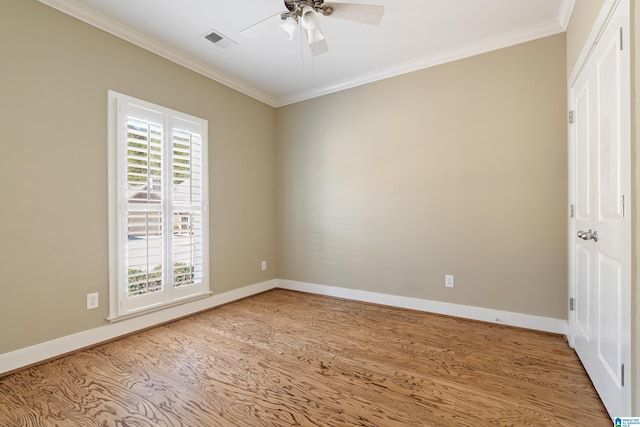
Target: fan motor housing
{"type": "Point", "coordinates": [296, 5]}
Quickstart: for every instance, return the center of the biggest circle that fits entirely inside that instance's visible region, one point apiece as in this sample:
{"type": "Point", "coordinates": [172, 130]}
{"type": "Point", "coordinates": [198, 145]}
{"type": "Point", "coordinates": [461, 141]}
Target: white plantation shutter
{"type": "Point", "coordinates": [186, 170]}
{"type": "Point", "coordinates": [161, 239]}
{"type": "Point", "coordinates": [144, 217]}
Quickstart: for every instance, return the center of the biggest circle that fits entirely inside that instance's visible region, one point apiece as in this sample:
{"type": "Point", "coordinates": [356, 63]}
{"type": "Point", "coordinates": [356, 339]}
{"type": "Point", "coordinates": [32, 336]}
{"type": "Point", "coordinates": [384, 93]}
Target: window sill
{"type": "Point", "coordinates": [159, 307]}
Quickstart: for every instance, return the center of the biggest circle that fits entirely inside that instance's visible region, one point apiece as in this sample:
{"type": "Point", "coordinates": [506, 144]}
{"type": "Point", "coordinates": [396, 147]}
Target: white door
{"type": "Point", "coordinates": [583, 148]}
{"type": "Point", "coordinates": [601, 228]}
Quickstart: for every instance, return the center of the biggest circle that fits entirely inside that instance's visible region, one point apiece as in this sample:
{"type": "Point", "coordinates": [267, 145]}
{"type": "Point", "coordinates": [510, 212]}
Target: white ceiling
{"type": "Point", "coordinates": [413, 34]}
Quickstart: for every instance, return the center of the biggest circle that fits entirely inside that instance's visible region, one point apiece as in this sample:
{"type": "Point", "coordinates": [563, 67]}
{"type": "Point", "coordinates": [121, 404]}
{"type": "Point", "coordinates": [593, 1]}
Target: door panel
{"type": "Point", "coordinates": [582, 128]}
{"type": "Point", "coordinates": [583, 302]}
{"type": "Point", "coordinates": [609, 325]}
{"type": "Point", "coordinates": [584, 132]}
{"type": "Point", "coordinates": [601, 265]}
{"type": "Point", "coordinates": [608, 115]}
{"type": "Point", "coordinates": [609, 220]}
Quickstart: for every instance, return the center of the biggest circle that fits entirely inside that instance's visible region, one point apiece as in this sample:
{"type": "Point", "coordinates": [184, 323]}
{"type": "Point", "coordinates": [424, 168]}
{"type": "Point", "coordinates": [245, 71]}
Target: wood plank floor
{"type": "Point", "coordinates": [284, 358]}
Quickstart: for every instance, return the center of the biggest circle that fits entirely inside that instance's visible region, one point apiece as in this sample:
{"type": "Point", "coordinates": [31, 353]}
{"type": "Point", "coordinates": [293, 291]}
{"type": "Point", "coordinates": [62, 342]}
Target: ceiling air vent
{"type": "Point", "coordinates": [220, 40]}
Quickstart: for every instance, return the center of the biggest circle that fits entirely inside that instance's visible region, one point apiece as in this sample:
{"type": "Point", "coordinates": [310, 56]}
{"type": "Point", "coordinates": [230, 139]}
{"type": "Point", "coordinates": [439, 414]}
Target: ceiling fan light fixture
{"type": "Point", "coordinates": [309, 21]}
{"type": "Point", "coordinates": [315, 36]}
{"type": "Point", "coordinates": [288, 27]}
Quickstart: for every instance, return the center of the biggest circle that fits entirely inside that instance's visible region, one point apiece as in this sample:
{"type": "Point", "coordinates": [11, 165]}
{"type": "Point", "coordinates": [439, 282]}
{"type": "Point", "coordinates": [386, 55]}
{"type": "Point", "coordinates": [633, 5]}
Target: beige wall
{"type": "Point", "coordinates": [54, 75]}
{"type": "Point", "coordinates": [458, 169]}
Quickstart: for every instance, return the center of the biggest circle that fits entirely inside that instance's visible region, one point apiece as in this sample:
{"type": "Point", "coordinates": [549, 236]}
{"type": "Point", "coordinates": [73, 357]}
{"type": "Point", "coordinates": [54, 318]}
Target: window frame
{"type": "Point", "coordinates": [121, 305]}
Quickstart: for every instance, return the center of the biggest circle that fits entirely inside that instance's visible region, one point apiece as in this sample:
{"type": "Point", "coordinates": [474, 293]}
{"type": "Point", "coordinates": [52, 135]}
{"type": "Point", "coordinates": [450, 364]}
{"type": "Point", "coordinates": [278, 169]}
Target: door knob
{"type": "Point", "coordinates": [588, 235]}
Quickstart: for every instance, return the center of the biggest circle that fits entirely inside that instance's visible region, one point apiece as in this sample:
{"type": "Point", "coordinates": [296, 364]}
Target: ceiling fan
{"type": "Point", "coordinates": [305, 13]}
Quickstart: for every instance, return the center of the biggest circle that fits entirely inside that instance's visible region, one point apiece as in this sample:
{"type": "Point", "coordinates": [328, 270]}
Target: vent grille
{"type": "Point", "coordinates": [213, 37]}
{"type": "Point", "coordinates": [220, 40]}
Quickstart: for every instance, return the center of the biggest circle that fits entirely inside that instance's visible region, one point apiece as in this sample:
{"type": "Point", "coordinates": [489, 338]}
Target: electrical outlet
{"type": "Point", "coordinates": [448, 281]}
{"type": "Point", "coordinates": [264, 265]}
{"type": "Point", "coordinates": [92, 301]}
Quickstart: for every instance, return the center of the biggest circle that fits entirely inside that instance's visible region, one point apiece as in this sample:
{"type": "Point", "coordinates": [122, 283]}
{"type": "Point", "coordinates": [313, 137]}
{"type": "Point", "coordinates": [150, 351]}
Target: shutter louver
{"type": "Point", "coordinates": [186, 167]}
{"type": "Point", "coordinates": [160, 158]}
{"type": "Point", "coordinates": [144, 214]}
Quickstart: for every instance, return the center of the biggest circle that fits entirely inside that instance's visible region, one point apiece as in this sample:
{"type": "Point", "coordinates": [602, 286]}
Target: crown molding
{"type": "Point", "coordinates": [506, 40]}
{"type": "Point", "coordinates": [83, 13]}
{"type": "Point", "coordinates": [564, 15]}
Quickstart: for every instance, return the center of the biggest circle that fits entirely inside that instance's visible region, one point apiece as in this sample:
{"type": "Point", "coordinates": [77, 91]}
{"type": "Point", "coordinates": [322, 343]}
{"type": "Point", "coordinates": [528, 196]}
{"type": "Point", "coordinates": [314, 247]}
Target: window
{"type": "Point", "coordinates": [158, 208]}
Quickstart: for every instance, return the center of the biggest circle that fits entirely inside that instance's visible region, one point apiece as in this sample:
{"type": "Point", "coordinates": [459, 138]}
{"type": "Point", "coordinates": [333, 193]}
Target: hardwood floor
{"type": "Point", "coordinates": [291, 359]}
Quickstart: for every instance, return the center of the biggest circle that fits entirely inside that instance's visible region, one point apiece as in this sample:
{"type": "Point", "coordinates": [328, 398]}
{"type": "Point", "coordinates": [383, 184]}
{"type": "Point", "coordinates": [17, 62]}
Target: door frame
{"type": "Point", "coordinates": [598, 28]}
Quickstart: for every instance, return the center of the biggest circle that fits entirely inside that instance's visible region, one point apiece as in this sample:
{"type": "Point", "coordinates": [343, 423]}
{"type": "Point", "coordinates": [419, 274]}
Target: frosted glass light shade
{"type": "Point", "coordinates": [288, 27]}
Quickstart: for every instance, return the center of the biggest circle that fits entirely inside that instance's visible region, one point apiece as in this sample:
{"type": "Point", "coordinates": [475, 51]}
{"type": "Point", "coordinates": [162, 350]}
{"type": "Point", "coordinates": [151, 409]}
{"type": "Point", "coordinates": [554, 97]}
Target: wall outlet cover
{"type": "Point", "coordinates": [92, 301]}
{"type": "Point", "coordinates": [448, 281]}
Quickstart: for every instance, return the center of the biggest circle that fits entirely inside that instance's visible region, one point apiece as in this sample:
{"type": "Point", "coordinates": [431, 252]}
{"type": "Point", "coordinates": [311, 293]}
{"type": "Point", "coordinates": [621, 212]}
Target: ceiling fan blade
{"type": "Point", "coordinates": [363, 13]}
{"type": "Point", "coordinates": [268, 24]}
{"type": "Point", "coordinates": [318, 48]}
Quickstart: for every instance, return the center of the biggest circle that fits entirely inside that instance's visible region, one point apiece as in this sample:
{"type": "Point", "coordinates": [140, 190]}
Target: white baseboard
{"type": "Point", "coordinates": [539, 323]}
{"type": "Point", "coordinates": [40, 352]}
{"type": "Point", "coordinates": [47, 350]}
